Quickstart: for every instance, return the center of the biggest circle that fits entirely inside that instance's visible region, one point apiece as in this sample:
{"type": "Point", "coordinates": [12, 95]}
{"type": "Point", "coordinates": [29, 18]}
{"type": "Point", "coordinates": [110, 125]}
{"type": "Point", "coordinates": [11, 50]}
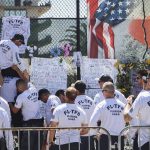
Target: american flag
{"type": "Point", "coordinates": [103, 15]}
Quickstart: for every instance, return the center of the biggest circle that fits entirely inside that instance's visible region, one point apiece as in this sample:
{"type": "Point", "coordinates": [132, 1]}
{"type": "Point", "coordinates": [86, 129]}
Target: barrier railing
{"type": "Point", "coordinates": [35, 138]}
{"type": "Point", "coordinates": [129, 133]}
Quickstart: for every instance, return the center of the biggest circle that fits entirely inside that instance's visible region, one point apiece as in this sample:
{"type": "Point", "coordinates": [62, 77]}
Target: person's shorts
{"type": "Point", "coordinates": [8, 89]}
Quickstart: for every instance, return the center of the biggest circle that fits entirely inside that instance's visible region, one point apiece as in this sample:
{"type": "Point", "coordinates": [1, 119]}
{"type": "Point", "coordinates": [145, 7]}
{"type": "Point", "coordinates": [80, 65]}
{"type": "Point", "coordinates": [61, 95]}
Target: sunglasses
{"type": "Point", "coordinates": [107, 91]}
{"type": "Point", "coordinates": [138, 78]}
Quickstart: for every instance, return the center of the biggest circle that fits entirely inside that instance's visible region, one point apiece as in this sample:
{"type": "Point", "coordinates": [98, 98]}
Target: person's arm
{"type": "Point", "coordinates": [52, 132]}
{"type": "Point", "coordinates": [13, 108]}
{"type": "Point", "coordinates": [8, 133]}
{"type": "Point", "coordinates": [84, 130]}
{"type": "Point", "coordinates": [131, 110]}
{"type": "Point", "coordinates": [24, 75]}
{"type": "Point", "coordinates": [1, 79]}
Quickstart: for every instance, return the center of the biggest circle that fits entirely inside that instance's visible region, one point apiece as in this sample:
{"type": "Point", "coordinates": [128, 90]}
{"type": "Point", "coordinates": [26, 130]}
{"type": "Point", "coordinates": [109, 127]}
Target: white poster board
{"type": "Point", "coordinates": [95, 68]}
{"type": "Point", "coordinates": [48, 73]}
{"type": "Point", "coordinates": [16, 25]}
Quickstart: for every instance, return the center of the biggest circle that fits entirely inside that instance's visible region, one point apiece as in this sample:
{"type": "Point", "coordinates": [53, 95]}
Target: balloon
{"type": "Point", "coordinates": [137, 32]}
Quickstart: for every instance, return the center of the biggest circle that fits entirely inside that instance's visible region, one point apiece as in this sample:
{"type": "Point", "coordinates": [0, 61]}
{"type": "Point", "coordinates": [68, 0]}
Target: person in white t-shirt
{"type": "Point", "coordinates": [68, 115]}
{"type": "Point", "coordinates": [5, 106]}
{"type": "Point", "coordinates": [99, 96]}
{"type": "Point", "coordinates": [141, 109]}
{"type": "Point", "coordinates": [88, 105]}
{"type": "Point", "coordinates": [7, 134]}
{"type": "Point", "coordinates": [110, 113]}
{"type": "Point", "coordinates": [61, 95]}
{"type": "Point", "coordinates": [30, 106]}
{"type": "Point", "coordinates": [11, 66]}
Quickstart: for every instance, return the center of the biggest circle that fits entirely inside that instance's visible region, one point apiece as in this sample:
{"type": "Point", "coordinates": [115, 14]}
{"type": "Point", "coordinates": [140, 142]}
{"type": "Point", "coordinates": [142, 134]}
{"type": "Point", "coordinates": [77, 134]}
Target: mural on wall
{"type": "Point", "coordinates": [119, 29]}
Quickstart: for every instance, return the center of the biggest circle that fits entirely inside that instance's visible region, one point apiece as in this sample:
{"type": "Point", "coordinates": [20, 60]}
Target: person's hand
{"type": "Point", "coordinates": [130, 99]}
{"type": "Point", "coordinates": [14, 67]}
{"type": "Point", "coordinates": [26, 75]}
{"type": "Point", "coordinates": [1, 79]}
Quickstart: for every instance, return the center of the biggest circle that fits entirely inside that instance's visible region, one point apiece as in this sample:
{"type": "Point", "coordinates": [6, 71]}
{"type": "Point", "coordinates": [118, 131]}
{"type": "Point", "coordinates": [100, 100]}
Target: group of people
{"type": "Point", "coordinates": [22, 105]}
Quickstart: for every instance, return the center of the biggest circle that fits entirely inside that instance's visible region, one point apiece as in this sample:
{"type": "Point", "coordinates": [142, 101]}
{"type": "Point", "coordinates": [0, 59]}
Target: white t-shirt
{"type": "Point", "coordinates": [99, 97]}
{"type": "Point", "coordinates": [110, 113]}
{"type": "Point", "coordinates": [68, 115]}
{"type": "Point", "coordinates": [55, 101]}
{"type": "Point", "coordinates": [29, 104]}
{"type": "Point", "coordinates": [9, 55]}
{"type": "Point", "coordinates": [9, 86]}
{"type": "Point", "coordinates": [87, 104]}
{"type": "Point", "coordinates": [141, 108]}
{"type": "Point", "coordinates": [46, 111]}
{"type": "Point", "coordinates": [5, 123]}
{"type": "Point", "coordinates": [5, 106]}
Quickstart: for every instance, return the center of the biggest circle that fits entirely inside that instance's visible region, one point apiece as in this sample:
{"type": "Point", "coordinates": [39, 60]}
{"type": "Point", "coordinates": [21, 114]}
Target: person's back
{"type": "Point", "coordinates": [111, 115]}
{"type": "Point", "coordinates": [8, 49]}
{"type": "Point", "coordinates": [70, 115]}
{"type": "Point", "coordinates": [4, 105]}
{"type": "Point", "coordinates": [7, 135]}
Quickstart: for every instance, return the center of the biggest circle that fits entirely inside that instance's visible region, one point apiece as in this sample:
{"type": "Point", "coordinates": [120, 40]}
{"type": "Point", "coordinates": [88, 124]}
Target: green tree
{"type": "Point", "coordinates": [71, 37]}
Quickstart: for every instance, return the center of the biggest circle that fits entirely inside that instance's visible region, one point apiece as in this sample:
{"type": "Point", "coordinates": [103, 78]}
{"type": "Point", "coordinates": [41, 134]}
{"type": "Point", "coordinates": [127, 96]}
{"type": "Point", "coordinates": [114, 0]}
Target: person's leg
{"type": "Point", "coordinates": [104, 142]}
{"type": "Point", "coordinates": [84, 143]}
{"type": "Point", "coordinates": [145, 146]}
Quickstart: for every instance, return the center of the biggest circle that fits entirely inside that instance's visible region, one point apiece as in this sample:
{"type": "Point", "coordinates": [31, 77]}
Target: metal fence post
{"type": "Point", "coordinates": [78, 34]}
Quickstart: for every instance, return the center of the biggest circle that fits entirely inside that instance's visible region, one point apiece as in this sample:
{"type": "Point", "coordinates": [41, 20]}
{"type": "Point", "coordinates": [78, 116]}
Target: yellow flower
{"type": "Point", "coordinates": [147, 61]}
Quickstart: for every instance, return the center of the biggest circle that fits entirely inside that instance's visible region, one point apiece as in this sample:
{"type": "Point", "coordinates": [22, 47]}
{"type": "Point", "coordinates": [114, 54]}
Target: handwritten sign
{"type": "Point", "coordinates": [48, 73]}
{"type": "Point", "coordinates": [95, 68]}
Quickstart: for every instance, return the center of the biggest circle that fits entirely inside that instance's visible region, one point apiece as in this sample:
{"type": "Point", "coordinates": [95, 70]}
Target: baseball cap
{"type": "Point", "coordinates": [105, 78]}
{"type": "Point", "coordinates": [19, 37]}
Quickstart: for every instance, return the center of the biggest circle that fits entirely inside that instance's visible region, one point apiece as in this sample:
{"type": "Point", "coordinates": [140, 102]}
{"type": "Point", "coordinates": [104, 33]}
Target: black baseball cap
{"type": "Point", "coordinates": [19, 37]}
{"type": "Point", "coordinates": [105, 78]}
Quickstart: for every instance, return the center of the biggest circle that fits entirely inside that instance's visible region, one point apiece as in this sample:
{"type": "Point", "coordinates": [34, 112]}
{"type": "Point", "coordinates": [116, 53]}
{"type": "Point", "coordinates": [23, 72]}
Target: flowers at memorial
{"type": "Point", "coordinates": [66, 49]}
{"type": "Point", "coordinates": [55, 51]}
{"type": "Point", "coordinates": [63, 50]}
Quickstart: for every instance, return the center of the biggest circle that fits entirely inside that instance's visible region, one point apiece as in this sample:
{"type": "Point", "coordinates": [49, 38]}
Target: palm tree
{"type": "Point", "coordinates": [71, 37]}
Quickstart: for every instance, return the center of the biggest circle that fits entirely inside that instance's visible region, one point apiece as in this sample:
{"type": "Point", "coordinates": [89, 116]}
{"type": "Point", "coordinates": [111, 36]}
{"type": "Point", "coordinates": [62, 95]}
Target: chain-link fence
{"type": "Point", "coordinates": [54, 23]}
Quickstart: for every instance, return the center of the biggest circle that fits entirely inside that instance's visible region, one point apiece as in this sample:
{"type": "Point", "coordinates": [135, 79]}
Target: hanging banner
{"type": "Point", "coordinates": [93, 69]}
{"type": "Point", "coordinates": [16, 25]}
{"type": "Point", "coordinates": [48, 73]}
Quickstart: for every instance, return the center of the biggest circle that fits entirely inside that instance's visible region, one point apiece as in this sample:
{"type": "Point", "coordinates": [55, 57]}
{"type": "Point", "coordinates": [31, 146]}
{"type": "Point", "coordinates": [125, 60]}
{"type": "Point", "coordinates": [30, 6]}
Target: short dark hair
{"type": "Point", "coordinates": [60, 92]}
{"type": "Point", "coordinates": [105, 78]}
{"type": "Point", "coordinates": [20, 81]}
{"type": "Point", "coordinates": [18, 37]}
{"type": "Point", "coordinates": [80, 86]}
{"type": "Point", "coordinates": [142, 73]}
{"type": "Point", "coordinates": [43, 92]}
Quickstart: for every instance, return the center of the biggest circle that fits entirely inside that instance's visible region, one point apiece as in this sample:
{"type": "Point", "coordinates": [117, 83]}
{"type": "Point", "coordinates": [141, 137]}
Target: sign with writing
{"type": "Point", "coordinates": [16, 25]}
{"type": "Point", "coordinates": [48, 73]}
{"type": "Point", "coordinates": [92, 69]}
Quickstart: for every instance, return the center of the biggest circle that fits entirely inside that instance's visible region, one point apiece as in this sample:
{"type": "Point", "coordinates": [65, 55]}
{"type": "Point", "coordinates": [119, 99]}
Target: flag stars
{"type": "Point", "coordinates": [108, 3]}
{"type": "Point", "coordinates": [99, 10]}
{"type": "Point", "coordinates": [127, 11]}
{"type": "Point", "coordinates": [119, 11]}
{"type": "Point", "coordinates": [112, 12]}
{"type": "Point", "coordinates": [120, 3]}
{"type": "Point", "coordinates": [113, 5]}
{"type": "Point", "coordinates": [127, 3]}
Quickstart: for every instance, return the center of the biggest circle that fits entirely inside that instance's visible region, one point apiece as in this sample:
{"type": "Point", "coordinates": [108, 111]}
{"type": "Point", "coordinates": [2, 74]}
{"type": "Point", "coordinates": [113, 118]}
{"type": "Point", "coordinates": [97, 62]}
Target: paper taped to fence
{"type": "Point", "coordinates": [48, 73]}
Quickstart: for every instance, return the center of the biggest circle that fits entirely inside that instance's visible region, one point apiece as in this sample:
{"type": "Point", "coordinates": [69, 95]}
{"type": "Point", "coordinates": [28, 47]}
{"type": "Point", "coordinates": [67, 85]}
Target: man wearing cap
{"type": "Point", "coordinates": [99, 96]}
{"type": "Point", "coordinates": [140, 109]}
{"type": "Point", "coordinates": [110, 113]}
{"type": "Point", "coordinates": [88, 105]}
{"type": "Point", "coordinates": [11, 66]}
